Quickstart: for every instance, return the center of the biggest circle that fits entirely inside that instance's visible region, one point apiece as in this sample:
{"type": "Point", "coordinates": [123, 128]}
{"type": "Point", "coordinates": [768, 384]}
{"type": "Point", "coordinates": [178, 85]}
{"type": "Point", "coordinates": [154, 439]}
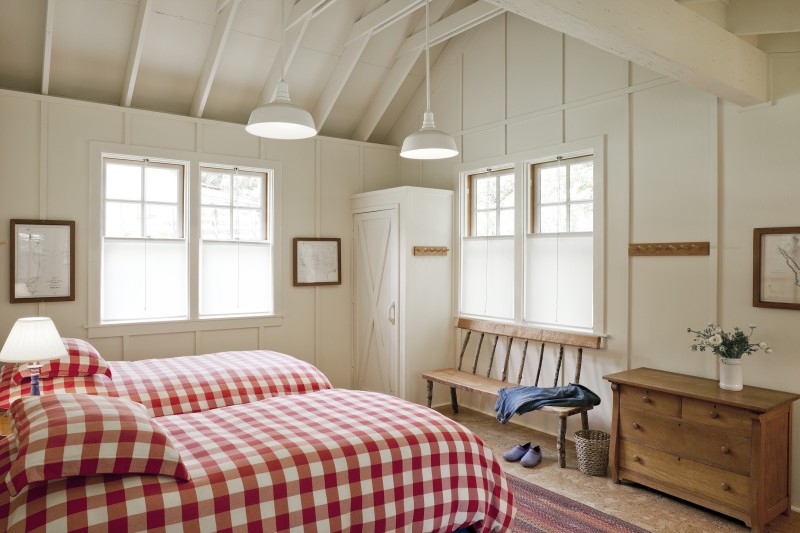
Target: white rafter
{"type": "Point", "coordinates": [376, 21]}
{"type": "Point", "coordinates": [469, 17]}
{"type": "Point", "coordinates": [220, 36]}
{"type": "Point", "coordinates": [305, 8]}
{"type": "Point", "coordinates": [135, 55]}
{"type": "Point", "coordinates": [663, 36]}
{"type": "Point", "coordinates": [747, 17]}
{"type": "Point", "coordinates": [48, 45]}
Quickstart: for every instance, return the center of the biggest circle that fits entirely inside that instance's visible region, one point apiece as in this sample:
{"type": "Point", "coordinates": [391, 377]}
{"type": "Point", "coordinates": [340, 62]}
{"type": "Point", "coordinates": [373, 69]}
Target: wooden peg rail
{"type": "Point", "coordinates": [669, 248]}
{"type": "Point", "coordinates": [431, 250]}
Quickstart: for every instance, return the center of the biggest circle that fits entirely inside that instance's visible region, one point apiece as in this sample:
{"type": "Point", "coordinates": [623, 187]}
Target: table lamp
{"type": "Point", "coordinates": [32, 340]}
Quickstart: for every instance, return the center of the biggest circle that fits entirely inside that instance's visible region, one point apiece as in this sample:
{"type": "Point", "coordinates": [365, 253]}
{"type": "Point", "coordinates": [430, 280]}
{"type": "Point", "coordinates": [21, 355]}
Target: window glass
{"type": "Point", "coordinates": [123, 181]}
{"type": "Point", "coordinates": [162, 184]}
{"type": "Point", "coordinates": [215, 188]}
{"type": "Point", "coordinates": [123, 219]}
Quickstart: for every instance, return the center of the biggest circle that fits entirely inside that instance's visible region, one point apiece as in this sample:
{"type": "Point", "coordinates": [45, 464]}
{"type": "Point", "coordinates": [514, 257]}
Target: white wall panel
{"type": "Point", "coordinates": [484, 75]}
{"type": "Point", "coordinates": [228, 139]}
{"type": "Point", "coordinates": [380, 168]}
{"type": "Point", "coordinates": [226, 340]}
{"type": "Point", "coordinates": [544, 130]}
{"type": "Point", "coordinates": [163, 132]}
{"type": "Point", "coordinates": [484, 144]}
{"type": "Point", "coordinates": [589, 71]}
{"type": "Point", "coordinates": [534, 65]}
{"type": "Point", "coordinates": [161, 345]}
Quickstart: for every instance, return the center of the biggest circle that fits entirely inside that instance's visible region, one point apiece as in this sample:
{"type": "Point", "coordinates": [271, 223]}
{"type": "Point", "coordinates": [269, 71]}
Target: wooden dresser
{"type": "Point", "coordinates": [683, 435]}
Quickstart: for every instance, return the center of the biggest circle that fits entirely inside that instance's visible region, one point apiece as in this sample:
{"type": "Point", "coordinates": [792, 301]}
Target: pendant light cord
{"type": "Point", "coordinates": [427, 60]}
{"type": "Point", "coordinates": [283, 48]}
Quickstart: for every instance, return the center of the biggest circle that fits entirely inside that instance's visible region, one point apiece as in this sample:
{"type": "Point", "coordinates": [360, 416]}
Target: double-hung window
{"type": "Point", "coordinates": [236, 264]}
{"type": "Point", "coordinates": [531, 240]}
{"type": "Point", "coordinates": [144, 240]}
{"type": "Point", "coordinates": [183, 239]}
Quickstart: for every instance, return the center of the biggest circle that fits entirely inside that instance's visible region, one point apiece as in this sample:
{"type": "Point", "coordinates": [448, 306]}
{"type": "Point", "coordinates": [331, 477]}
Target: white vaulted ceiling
{"type": "Point", "coordinates": [355, 64]}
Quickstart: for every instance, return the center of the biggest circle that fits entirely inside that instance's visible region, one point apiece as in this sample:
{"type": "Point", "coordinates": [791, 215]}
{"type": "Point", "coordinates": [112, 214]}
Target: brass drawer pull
{"type": "Point", "coordinates": [725, 450]}
{"type": "Point", "coordinates": [714, 414]}
{"type": "Point", "coordinates": [635, 425]}
{"type": "Point", "coordinates": [637, 458]}
{"type": "Point", "coordinates": [646, 399]}
{"type": "Point", "coordinates": [725, 486]}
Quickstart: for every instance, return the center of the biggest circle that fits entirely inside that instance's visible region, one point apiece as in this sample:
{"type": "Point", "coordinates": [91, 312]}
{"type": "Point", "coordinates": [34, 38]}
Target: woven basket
{"type": "Point", "coordinates": [592, 448]}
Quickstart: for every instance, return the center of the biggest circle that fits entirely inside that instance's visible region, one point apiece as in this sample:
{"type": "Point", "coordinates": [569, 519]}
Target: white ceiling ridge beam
{"type": "Point", "coordinates": [48, 45]}
{"type": "Point", "coordinates": [382, 17]}
{"type": "Point", "coordinates": [459, 22]}
{"type": "Point", "coordinates": [763, 17]}
{"type": "Point", "coordinates": [663, 36]}
{"type": "Point", "coordinates": [338, 79]}
{"type": "Point", "coordinates": [304, 8]}
{"type": "Point", "coordinates": [393, 81]}
{"type": "Point", "coordinates": [135, 55]}
{"type": "Point", "coordinates": [275, 74]}
{"type": "Point", "coordinates": [219, 38]}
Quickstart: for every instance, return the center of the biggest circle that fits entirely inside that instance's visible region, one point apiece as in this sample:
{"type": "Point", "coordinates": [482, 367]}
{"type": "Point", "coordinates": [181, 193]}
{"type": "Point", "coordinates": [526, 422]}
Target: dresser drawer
{"type": "Point", "coordinates": [720, 448]}
{"type": "Point", "coordinates": [648, 400]}
{"type": "Point", "coordinates": [706, 481]}
{"type": "Point", "coordinates": [719, 416]}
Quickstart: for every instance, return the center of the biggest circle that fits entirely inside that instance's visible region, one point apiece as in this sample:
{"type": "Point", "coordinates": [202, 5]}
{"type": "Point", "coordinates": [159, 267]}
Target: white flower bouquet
{"type": "Point", "coordinates": [731, 345]}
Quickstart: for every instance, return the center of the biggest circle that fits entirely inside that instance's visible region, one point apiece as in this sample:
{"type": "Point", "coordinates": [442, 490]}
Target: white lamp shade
{"type": "Point", "coordinates": [428, 142]}
{"type": "Point", "coordinates": [33, 339]}
{"type": "Point", "coordinates": [281, 119]}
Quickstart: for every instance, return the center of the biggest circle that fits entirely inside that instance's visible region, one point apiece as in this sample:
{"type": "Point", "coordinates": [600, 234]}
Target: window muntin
{"type": "Point", "coordinates": [491, 203]}
{"type": "Point", "coordinates": [233, 204]}
{"type": "Point", "coordinates": [563, 196]}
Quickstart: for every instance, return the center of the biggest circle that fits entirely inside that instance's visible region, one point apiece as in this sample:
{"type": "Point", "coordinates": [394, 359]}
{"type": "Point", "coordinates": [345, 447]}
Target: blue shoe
{"type": "Point", "coordinates": [516, 453]}
{"type": "Point", "coordinates": [532, 457]}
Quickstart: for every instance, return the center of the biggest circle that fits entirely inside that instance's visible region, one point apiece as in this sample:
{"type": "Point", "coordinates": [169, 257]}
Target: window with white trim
{"type": "Point", "coordinates": [236, 256]}
{"type": "Point", "coordinates": [148, 251]}
{"type": "Point", "coordinates": [537, 262]}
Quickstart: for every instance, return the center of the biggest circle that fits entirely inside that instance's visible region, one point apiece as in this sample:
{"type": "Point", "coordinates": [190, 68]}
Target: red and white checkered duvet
{"type": "Point", "coordinates": [333, 460]}
{"type": "Point", "coordinates": [191, 383]}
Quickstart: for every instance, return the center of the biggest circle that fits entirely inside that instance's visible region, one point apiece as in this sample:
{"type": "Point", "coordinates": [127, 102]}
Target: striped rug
{"type": "Point", "coordinates": [542, 511]}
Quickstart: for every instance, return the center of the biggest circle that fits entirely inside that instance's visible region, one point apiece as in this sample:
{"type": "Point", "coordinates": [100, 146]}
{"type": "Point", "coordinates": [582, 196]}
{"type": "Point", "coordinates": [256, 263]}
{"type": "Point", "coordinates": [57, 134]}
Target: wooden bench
{"type": "Point", "coordinates": [488, 386]}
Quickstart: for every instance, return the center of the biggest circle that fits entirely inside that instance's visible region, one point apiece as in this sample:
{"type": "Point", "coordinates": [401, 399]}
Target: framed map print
{"type": "Point", "coordinates": [42, 261]}
{"type": "Point", "coordinates": [317, 261]}
{"type": "Point", "coordinates": [776, 267]}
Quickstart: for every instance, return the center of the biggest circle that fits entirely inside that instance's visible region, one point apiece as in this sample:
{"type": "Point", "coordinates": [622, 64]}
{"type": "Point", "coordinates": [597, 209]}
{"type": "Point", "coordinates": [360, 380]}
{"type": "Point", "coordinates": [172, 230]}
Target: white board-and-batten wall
{"type": "Point", "coordinates": [680, 165]}
{"type": "Point", "coordinates": [46, 173]}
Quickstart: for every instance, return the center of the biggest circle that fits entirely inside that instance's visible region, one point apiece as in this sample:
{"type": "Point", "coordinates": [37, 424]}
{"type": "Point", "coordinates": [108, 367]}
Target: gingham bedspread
{"type": "Point", "coordinates": [333, 460]}
{"type": "Point", "coordinates": [194, 383]}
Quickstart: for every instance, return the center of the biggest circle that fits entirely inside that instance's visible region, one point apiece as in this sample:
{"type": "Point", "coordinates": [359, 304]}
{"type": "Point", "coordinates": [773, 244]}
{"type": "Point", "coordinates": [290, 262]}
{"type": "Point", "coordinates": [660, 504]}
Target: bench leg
{"type": "Point", "coordinates": [562, 441]}
{"type": "Point", "coordinates": [453, 399]}
{"type": "Point", "coordinates": [585, 420]}
{"type": "Point", "coordinates": [430, 393]}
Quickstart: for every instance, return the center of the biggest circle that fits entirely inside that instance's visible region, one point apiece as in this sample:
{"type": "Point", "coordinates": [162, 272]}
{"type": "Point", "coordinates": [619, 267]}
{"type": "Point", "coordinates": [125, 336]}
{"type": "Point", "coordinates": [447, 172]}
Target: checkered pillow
{"type": "Point", "coordinates": [65, 435]}
{"type": "Point", "coordinates": [82, 360]}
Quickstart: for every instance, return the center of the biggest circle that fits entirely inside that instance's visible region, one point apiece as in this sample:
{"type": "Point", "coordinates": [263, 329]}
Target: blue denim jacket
{"type": "Point", "coordinates": [523, 399]}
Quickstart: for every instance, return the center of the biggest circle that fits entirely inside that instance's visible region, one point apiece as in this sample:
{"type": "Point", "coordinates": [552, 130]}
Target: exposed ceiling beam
{"type": "Point", "coordinates": [748, 17]}
{"type": "Point", "coordinates": [48, 45]}
{"type": "Point", "coordinates": [362, 31]}
{"type": "Point", "coordinates": [222, 4]}
{"type": "Point", "coordinates": [135, 55]}
{"type": "Point", "coordinates": [467, 18]}
{"type": "Point", "coordinates": [382, 17]}
{"type": "Point", "coordinates": [222, 30]}
{"type": "Point", "coordinates": [275, 74]}
{"type": "Point", "coordinates": [394, 80]}
{"type": "Point", "coordinates": [305, 8]}
{"type": "Point", "coordinates": [663, 36]}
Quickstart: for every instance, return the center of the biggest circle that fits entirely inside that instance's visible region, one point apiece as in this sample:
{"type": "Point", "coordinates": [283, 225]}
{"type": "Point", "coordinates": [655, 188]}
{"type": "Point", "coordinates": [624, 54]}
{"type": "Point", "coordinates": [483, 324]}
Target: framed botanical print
{"type": "Point", "coordinates": [42, 260]}
{"type": "Point", "coordinates": [776, 267]}
{"type": "Point", "coordinates": [317, 261]}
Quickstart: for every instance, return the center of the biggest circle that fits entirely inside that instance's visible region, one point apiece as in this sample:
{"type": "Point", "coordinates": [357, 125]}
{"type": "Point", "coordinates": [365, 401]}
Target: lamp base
{"type": "Point", "coordinates": [34, 368]}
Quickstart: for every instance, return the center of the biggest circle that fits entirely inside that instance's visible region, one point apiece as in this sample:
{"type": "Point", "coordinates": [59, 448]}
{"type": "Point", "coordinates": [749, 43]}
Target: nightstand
{"type": "Point", "coordinates": [5, 423]}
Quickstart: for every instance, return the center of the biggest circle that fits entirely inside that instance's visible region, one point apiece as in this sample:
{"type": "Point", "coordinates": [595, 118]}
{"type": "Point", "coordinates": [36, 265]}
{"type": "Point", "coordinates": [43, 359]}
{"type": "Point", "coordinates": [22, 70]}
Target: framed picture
{"type": "Point", "coordinates": [42, 261]}
{"type": "Point", "coordinates": [776, 267]}
{"type": "Point", "coordinates": [317, 261]}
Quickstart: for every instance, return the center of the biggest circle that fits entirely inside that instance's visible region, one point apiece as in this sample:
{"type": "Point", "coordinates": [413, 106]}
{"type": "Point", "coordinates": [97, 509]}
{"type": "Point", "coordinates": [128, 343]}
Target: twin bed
{"type": "Point", "coordinates": [264, 444]}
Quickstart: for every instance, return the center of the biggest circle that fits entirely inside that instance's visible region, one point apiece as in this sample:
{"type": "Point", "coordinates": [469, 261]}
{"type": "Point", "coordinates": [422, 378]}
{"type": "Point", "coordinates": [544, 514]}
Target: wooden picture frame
{"type": "Point", "coordinates": [776, 267]}
{"type": "Point", "coordinates": [317, 261]}
{"type": "Point", "coordinates": [42, 261]}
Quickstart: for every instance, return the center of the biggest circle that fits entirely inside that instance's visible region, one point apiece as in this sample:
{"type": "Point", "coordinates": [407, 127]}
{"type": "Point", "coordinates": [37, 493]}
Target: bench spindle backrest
{"type": "Point", "coordinates": [513, 332]}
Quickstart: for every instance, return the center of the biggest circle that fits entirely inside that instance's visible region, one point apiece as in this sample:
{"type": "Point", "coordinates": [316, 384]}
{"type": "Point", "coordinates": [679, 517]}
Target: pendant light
{"type": "Point", "coordinates": [428, 142]}
{"type": "Point", "coordinates": [281, 119]}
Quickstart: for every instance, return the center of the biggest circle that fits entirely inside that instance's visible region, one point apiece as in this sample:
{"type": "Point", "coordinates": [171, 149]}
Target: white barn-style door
{"type": "Point", "coordinates": [375, 279]}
